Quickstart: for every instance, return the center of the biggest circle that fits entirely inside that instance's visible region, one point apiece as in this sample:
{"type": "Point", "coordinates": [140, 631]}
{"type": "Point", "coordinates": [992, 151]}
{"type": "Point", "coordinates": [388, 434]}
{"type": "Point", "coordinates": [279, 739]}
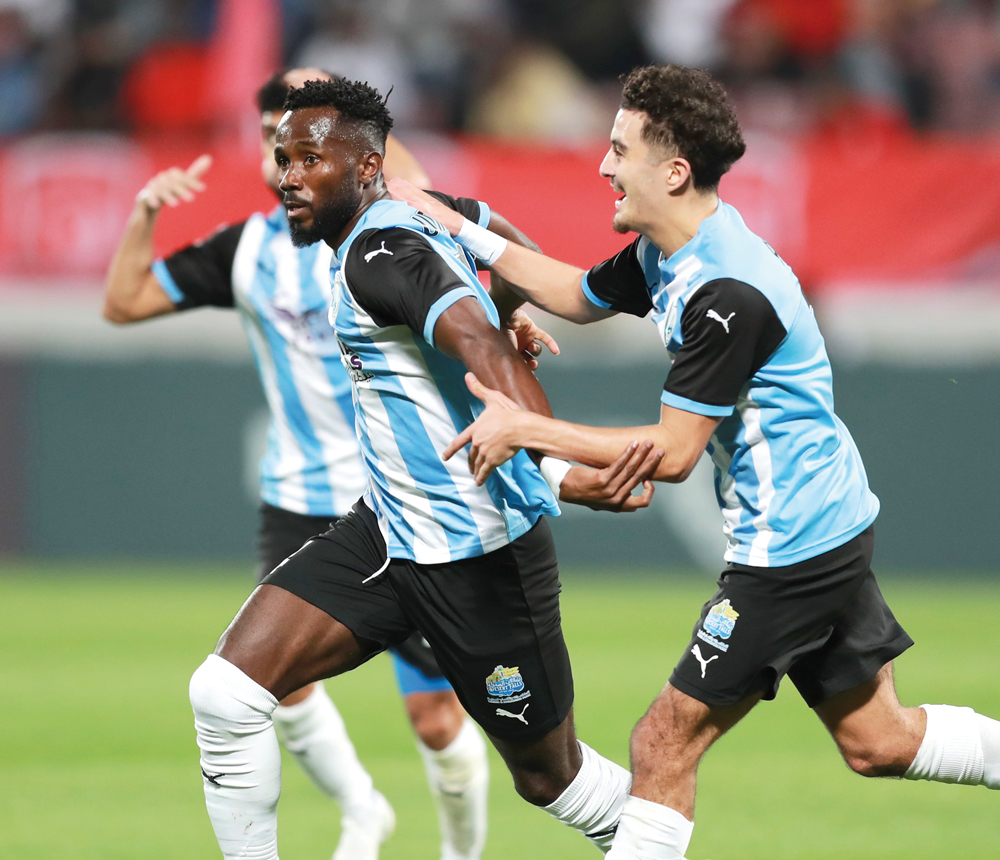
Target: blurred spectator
{"type": "Point", "coordinates": [354, 42]}
{"type": "Point", "coordinates": [21, 95]}
{"type": "Point", "coordinates": [687, 32]}
{"type": "Point", "coordinates": [540, 95]}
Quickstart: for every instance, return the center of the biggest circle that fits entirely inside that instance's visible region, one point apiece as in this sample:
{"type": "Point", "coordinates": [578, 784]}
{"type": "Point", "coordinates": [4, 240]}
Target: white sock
{"type": "Point", "coordinates": [314, 732]}
{"type": "Point", "coordinates": [592, 804]}
{"type": "Point", "coordinates": [651, 831]}
{"type": "Point", "coordinates": [240, 759]}
{"type": "Point", "coordinates": [959, 746]}
{"type": "Point", "coordinates": [459, 778]}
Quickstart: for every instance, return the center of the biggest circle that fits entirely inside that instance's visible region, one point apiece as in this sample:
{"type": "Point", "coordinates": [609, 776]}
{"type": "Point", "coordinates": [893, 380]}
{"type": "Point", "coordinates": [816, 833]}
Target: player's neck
{"type": "Point", "coordinates": [368, 198]}
{"type": "Point", "coordinates": [680, 223]}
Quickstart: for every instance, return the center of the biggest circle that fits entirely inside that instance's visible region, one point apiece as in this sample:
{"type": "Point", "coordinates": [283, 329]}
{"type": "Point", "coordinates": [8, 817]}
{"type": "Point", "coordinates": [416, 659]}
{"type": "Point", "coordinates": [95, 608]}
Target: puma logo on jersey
{"type": "Point", "coordinates": [502, 713]}
{"type": "Point", "coordinates": [384, 250]}
{"type": "Point", "coordinates": [725, 322]}
{"type": "Point", "coordinates": [701, 658]}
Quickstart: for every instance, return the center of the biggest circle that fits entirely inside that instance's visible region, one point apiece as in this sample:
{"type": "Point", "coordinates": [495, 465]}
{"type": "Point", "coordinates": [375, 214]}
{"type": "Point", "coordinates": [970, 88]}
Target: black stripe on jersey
{"type": "Point", "coordinates": [204, 271]}
{"type": "Point", "coordinates": [729, 330]}
{"type": "Point", "coordinates": [396, 276]}
{"type": "Point", "coordinates": [621, 282]}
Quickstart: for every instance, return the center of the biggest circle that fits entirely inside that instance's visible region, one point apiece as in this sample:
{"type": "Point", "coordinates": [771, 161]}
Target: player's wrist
{"type": "Point", "coordinates": [480, 242]}
{"type": "Point", "coordinates": [554, 471]}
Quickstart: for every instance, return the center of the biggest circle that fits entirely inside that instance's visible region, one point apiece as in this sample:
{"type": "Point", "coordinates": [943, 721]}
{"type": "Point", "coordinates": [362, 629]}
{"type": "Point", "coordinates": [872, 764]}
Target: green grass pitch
{"type": "Point", "coordinates": [98, 758]}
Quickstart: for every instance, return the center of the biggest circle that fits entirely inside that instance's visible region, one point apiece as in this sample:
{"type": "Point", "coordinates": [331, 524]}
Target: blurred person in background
{"type": "Point", "coordinates": [750, 382]}
{"type": "Point", "coordinates": [312, 472]}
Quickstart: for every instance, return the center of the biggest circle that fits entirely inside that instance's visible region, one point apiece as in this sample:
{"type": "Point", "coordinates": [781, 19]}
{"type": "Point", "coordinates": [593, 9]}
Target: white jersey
{"type": "Point", "coordinates": [313, 463]}
{"type": "Point", "coordinates": [394, 276]}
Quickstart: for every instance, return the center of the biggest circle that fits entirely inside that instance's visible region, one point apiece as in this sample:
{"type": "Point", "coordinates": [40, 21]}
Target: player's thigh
{"type": "Point", "coordinates": [493, 623]}
{"type": "Point", "coordinates": [281, 533]}
{"type": "Point", "coordinates": [284, 643]}
{"type": "Point", "coordinates": [865, 638]}
{"type": "Point", "coordinates": [320, 612]}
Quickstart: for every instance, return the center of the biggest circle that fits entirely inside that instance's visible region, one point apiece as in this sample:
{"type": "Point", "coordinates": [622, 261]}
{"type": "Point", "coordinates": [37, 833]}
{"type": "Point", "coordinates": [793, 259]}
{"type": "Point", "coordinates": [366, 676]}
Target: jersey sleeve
{"type": "Point", "coordinates": [399, 279]}
{"type": "Point", "coordinates": [475, 210]}
{"type": "Point", "coordinates": [729, 329]}
{"type": "Point", "coordinates": [202, 273]}
{"type": "Point", "coordinates": [619, 284]}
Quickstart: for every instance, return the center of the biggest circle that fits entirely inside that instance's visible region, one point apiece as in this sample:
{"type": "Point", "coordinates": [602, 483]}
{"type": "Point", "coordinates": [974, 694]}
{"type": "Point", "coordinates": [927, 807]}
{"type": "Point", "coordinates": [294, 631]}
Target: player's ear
{"type": "Point", "coordinates": [676, 173]}
{"type": "Point", "coordinates": [371, 168]}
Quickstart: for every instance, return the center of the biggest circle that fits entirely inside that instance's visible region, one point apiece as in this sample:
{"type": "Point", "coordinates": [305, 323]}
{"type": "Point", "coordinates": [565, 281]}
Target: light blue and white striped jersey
{"type": "Point", "coordinates": [393, 277]}
{"type": "Point", "coordinates": [313, 462]}
{"type": "Point", "coordinates": [746, 348]}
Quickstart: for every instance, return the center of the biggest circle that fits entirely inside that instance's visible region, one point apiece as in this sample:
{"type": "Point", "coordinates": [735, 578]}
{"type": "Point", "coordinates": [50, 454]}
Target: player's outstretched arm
{"type": "Point", "coordinates": [554, 286]}
{"type": "Point", "coordinates": [502, 430]}
{"type": "Point", "coordinates": [131, 291]}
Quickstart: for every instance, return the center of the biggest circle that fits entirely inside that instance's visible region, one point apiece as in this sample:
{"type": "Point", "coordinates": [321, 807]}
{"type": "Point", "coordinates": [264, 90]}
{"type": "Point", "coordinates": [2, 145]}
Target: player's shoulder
{"type": "Point", "coordinates": [384, 245]}
{"type": "Point", "coordinates": [735, 259]}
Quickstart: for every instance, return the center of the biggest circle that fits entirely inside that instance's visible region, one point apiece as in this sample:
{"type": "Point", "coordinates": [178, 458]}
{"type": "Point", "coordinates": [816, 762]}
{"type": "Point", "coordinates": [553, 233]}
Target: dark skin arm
{"type": "Point", "coordinates": [464, 333]}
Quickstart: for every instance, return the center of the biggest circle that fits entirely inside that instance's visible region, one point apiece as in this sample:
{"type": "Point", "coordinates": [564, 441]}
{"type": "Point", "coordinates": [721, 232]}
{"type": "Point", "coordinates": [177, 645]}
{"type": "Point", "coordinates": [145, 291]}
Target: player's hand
{"type": "Point", "coordinates": [174, 186]}
{"type": "Point", "coordinates": [610, 488]}
{"type": "Point", "coordinates": [400, 189]}
{"type": "Point", "coordinates": [528, 338]}
{"type": "Point", "coordinates": [492, 436]}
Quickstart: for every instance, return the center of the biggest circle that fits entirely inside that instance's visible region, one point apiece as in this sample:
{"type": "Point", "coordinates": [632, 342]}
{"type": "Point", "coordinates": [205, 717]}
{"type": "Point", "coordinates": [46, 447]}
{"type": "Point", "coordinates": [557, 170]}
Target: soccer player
{"type": "Point", "coordinates": [471, 568]}
{"type": "Point", "coordinates": [750, 383]}
{"type": "Point", "coordinates": [312, 472]}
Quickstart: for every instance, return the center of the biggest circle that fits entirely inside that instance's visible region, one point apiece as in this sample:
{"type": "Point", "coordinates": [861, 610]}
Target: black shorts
{"type": "Point", "coordinates": [493, 621]}
{"type": "Point", "coordinates": [284, 532]}
{"type": "Point", "coordinates": [823, 622]}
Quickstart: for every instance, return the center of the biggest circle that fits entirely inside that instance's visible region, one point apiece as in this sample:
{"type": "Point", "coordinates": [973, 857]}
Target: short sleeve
{"type": "Point", "coordinates": [729, 330]}
{"type": "Point", "coordinates": [619, 284]}
{"type": "Point", "coordinates": [475, 210]}
{"type": "Point", "coordinates": [399, 279]}
{"type": "Point", "coordinates": [201, 274]}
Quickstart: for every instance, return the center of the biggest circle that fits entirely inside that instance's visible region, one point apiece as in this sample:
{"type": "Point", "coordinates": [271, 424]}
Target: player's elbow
{"type": "Point", "coordinates": [115, 313]}
{"type": "Point", "coordinates": [675, 469]}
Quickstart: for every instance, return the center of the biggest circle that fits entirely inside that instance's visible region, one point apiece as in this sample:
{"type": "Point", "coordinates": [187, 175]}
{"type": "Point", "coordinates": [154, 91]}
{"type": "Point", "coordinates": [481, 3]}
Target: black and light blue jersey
{"type": "Point", "coordinates": [746, 349]}
{"type": "Point", "coordinates": [393, 277]}
{"type": "Point", "coordinates": [313, 462]}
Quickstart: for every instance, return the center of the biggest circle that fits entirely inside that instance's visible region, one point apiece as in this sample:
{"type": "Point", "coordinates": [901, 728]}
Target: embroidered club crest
{"type": "Point", "coordinates": [504, 682]}
{"type": "Point", "coordinates": [721, 619]}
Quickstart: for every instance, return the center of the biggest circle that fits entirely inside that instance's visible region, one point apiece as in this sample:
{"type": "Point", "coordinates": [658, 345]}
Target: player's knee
{"type": "Point", "coordinates": [220, 691]}
{"type": "Point", "coordinates": [538, 789]}
{"type": "Point", "coordinates": [436, 718]}
{"type": "Point", "coordinates": [875, 759]}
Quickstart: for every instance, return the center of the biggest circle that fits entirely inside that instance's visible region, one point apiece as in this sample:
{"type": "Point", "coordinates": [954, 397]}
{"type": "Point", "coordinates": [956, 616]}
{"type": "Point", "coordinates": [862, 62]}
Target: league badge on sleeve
{"type": "Point", "coordinates": [506, 685]}
{"type": "Point", "coordinates": [718, 625]}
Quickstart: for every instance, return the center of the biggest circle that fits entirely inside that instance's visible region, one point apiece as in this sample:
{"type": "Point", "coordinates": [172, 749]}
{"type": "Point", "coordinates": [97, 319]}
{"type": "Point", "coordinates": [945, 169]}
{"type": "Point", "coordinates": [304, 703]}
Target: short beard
{"type": "Point", "coordinates": [621, 226]}
{"type": "Point", "coordinates": [329, 220]}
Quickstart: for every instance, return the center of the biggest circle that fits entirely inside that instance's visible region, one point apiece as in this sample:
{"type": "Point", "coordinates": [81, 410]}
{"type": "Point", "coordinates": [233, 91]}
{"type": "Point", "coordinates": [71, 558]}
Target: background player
{"type": "Point", "coordinates": [471, 568]}
{"type": "Point", "coordinates": [312, 472]}
{"type": "Point", "coordinates": [751, 382]}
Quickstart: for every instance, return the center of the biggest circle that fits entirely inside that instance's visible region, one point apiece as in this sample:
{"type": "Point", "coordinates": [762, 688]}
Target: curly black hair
{"type": "Point", "coordinates": [689, 113]}
{"type": "Point", "coordinates": [354, 101]}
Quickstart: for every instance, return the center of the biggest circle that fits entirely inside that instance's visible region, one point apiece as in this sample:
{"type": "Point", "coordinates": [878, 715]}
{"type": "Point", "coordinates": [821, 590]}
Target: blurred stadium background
{"type": "Point", "coordinates": [128, 457]}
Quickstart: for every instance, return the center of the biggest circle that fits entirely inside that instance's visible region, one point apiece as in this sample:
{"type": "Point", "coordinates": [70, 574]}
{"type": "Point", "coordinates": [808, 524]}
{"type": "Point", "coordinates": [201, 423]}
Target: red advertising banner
{"type": "Point", "coordinates": [899, 209]}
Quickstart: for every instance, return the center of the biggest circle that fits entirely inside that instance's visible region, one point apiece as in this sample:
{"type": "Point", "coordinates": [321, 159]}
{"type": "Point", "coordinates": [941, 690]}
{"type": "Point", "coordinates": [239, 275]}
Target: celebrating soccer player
{"type": "Point", "coordinates": [470, 567]}
{"type": "Point", "coordinates": [312, 472]}
{"type": "Point", "coordinates": [751, 383]}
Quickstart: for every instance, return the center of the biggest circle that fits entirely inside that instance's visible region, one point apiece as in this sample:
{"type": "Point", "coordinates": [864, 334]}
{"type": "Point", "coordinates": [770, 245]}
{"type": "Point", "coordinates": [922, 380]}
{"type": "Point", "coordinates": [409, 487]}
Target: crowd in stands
{"type": "Point", "coordinates": [538, 69]}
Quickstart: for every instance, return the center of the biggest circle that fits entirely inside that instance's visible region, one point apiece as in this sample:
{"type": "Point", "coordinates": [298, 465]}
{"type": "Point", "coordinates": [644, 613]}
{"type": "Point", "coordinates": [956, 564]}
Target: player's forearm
{"type": "Point", "coordinates": [599, 446]}
{"type": "Point", "coordinates": [509, 375]}
{"type": "Point", "coordinates": [130, 268]}
{"type": "Point", "coordinates": [546, 283]}
{"type": "Point", "coordinates": [504, 296]}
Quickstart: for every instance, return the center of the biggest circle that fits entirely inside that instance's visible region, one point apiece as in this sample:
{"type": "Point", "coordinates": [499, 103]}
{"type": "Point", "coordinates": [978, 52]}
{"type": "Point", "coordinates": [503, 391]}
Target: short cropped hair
{"type": "Point", "coordinates": [354, 101]}
{"type": "Point", "coordinates": [690, 114]}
